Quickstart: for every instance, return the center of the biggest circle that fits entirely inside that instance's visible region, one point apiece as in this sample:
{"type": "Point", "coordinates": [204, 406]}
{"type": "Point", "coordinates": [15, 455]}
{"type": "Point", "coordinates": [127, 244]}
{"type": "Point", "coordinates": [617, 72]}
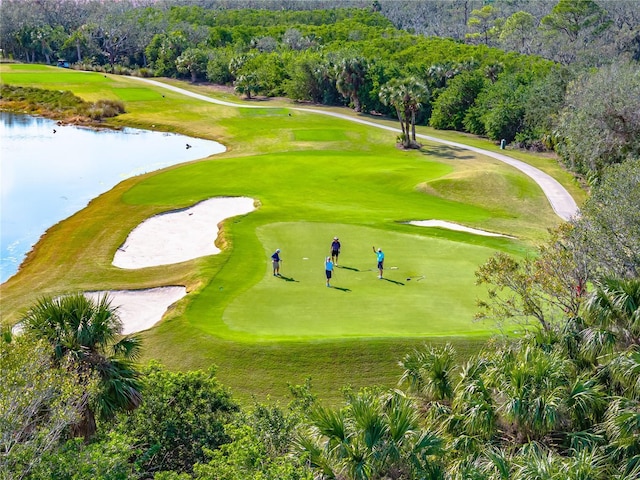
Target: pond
{"type": "Point", "coordinates": [49, 171]}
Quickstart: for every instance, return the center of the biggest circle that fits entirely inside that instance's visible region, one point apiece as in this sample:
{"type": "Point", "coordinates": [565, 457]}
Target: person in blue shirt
{"type": "Point", "coordinates": [328, 270]}
{"type": "Point", "coordinates": [275, 260]}
{"type": "Point", "coordinates": [380, 255]}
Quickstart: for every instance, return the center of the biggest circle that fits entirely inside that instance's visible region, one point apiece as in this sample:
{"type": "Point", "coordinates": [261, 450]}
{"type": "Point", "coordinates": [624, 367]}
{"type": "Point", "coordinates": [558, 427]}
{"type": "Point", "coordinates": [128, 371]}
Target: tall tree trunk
{"type": "Point", "coordinates": [78, 51]}
{"type": "Point", "coordinates": [356, 102]}
{"type": "Point", "coordinates": [404, 134]}
{"type": "Point", "coordinates": [413, 126]}
{"type": "Point", "coordinates": [86, 427]}
{"type": "Point", "coordinates": [407, 137]}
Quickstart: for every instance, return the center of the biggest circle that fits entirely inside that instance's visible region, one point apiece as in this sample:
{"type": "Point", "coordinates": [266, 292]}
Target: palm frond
{"type": "Point", "coordinates": [129, 347]}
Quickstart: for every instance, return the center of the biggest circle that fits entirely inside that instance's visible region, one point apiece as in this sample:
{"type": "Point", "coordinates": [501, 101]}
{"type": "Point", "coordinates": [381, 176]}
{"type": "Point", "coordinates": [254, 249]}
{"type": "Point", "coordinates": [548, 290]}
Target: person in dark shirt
{"type": "Point", "coordinates": [275, 260]}
{"type": "Point", "coordinates": [335, 250]}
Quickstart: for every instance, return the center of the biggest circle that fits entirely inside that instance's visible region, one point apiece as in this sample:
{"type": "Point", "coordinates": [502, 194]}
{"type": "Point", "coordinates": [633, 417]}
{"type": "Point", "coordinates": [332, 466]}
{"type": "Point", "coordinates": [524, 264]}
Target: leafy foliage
{"type": "Point", "coordinates": [39, 402]}
{"type": "Point", "coordinates": [609, 223]}
{"type": "Point", "coordinates": [600, 122]}
{"type": "Point", "coordinates": [451, 107]}
{"type": "Point", "coordinates": [182, 416]}
{"type": "Point", "coordinates": [107, 459]}
{"type": "Point", "coordinates": [261, 446]}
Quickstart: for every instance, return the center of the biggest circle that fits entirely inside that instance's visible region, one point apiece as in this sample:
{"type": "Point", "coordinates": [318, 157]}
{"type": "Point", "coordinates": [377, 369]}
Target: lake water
{"type": "Point", "coordinates": [46, 177]}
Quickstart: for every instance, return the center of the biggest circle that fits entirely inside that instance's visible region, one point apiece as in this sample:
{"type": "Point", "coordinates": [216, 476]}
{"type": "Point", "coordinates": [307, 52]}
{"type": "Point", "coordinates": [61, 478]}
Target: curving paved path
{"type": "Point", "coordinates": [561, 201]}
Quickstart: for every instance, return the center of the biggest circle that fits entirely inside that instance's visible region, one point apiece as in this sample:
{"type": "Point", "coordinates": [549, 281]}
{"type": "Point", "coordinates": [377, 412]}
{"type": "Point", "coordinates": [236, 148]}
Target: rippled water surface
{"type": "Point", "coordinates": [49, 172]}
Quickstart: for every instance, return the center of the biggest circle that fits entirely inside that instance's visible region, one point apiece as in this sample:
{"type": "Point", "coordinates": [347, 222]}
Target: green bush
{"type": "Point", "coordinates": [182, 416]}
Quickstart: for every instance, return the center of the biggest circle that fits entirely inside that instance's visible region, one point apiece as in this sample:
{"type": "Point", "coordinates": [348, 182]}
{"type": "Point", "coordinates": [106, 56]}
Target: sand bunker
{"type": "Point", "coordinates": [141, 309]}
{"type": "Point", "coordinates": [138, 309]}
{"type": "Point", "coordinates": [179, 235]}
{"type": "Point", "coordinates": [163, 239]}
{"type": "Point", "coordinates": [455, 226]}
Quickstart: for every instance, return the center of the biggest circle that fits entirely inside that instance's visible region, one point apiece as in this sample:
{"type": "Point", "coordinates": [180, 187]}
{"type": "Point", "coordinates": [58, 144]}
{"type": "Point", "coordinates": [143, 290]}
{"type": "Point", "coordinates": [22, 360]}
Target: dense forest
{"type": "Point", "coordinates": [562, 402]}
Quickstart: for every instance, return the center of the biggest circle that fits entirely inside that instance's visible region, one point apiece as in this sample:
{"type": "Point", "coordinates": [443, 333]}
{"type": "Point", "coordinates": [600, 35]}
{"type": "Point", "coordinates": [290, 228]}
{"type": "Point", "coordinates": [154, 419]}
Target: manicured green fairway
{"type": "Point", "coordinates": [313, 178]}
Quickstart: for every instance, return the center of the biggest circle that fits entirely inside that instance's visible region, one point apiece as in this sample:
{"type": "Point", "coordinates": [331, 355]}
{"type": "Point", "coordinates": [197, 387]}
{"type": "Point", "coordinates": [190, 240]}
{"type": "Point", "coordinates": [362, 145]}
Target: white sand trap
{"type": "Point", "coordinates": [138, 309]}
{"type": "Point", "coordinates": [179, 235]}
{"type": "Point", "coordinates": [455, 226]}
{"type": "Point", "coordinates": [141, 309]}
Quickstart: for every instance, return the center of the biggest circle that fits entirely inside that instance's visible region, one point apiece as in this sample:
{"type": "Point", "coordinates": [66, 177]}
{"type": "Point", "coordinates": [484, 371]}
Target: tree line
{"type": "Point", "coordinates": [486, 81]}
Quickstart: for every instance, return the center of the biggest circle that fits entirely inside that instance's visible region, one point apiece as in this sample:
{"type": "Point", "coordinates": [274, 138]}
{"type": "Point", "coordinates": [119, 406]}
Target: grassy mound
{"type": "Point", "coordinates": [59, 104]}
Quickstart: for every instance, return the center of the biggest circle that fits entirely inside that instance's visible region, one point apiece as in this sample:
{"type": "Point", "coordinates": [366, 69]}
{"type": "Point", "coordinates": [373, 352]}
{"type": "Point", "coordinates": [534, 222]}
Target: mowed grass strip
{"type": "Point", "coordinates": [313, 177]}
{"type": "Point", "coordinates": [263, 370]}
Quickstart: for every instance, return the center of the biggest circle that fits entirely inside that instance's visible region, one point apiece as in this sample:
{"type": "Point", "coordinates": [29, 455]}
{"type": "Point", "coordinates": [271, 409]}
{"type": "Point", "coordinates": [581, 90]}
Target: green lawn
{"type": "Point", "coordinates": [313, 178]}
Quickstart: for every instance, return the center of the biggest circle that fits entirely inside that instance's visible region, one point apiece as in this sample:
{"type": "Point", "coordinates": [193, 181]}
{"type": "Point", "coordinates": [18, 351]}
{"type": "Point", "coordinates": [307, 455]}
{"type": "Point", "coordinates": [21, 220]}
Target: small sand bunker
{"type": "Point", "coordinates": [138, 309]}
{"type": "Point", "coordinates": [455, 226]}
{"type": "Point", "coordinates": [180, 235]}
{"type": "Point", "coordinates": [141, 309]}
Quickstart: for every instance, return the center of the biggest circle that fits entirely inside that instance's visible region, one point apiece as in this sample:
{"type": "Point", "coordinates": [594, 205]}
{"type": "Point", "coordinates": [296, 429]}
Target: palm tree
{"type": "Point", "coordinates": [245, 84]}
{"type": "Point", "coordinates": [537, 463]}
{"type": "Point", "coordinates": [407, 96]}
{"type": "Point", "coordinates": [615, 306]}
{"type": "Point", "coordinates": [473, 401]}
{"type": "Point", "coordinates": [428, 372]}
{"type": "Point", "coordinates": [493, 71]}
{"type": "Point", "coordinates": [86, 333]}
{"type": "Point", "coordinates": [377, 435]}
{"type": "Point", "coordinates": [586, 402]}
{"type": "Point", "coordinates": [621, 426]}
{"type": "Point", "coordinates": [350, 76]}
{"type": "Point", "coordinates": [439, 74]}
{"type": "Point", "coordinates": [624, 370]}
{"type": "Point", "coordinates": [533, 386]}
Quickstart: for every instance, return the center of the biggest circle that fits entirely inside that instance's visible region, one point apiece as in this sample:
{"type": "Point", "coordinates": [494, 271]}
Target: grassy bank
{"type": "Point", "coordinates": [61, 105]}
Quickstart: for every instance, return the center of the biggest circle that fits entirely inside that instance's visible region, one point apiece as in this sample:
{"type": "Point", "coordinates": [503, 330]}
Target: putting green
{"type": "Point", "coordinates": [298, 305]}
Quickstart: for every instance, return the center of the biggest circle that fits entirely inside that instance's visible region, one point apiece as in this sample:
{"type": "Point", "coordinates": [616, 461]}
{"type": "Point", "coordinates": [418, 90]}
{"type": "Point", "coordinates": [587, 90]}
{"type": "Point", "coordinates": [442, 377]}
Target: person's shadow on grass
{"type": "Point", "coordinates": [353, 269]}
{"type": "Point", "coordinates": [287, 279]}
{"type": "Point", "coordinates": [393, 281]}
{"type": "Point", "coordinates": [341, 289]}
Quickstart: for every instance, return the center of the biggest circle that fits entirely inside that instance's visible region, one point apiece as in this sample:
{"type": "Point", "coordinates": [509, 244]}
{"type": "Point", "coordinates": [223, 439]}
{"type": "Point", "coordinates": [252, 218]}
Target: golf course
{"type": "Point", "coordinates": [313, 177]}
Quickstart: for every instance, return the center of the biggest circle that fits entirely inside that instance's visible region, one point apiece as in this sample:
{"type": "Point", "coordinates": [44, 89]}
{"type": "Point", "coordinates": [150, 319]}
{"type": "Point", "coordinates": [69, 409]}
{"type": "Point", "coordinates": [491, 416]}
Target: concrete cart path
{"type": "Point", "coordinates": [561, 201]}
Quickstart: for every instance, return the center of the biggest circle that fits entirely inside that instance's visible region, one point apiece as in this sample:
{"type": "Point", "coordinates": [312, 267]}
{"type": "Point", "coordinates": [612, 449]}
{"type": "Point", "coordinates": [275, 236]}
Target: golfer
{"type": "Point", "coordinates": [328, 270]}
{"type": "Point", "coordinates": [335, 250]}
{"type": "Point", "coordinates": [380, 255]}
{"type": "Point", "coordinates": [275, 260]}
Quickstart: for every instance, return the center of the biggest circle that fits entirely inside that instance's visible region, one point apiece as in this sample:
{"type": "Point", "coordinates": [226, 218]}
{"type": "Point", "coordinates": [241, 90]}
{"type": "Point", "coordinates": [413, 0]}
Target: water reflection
{"type": "Point", "coordinates": [49, 171]}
